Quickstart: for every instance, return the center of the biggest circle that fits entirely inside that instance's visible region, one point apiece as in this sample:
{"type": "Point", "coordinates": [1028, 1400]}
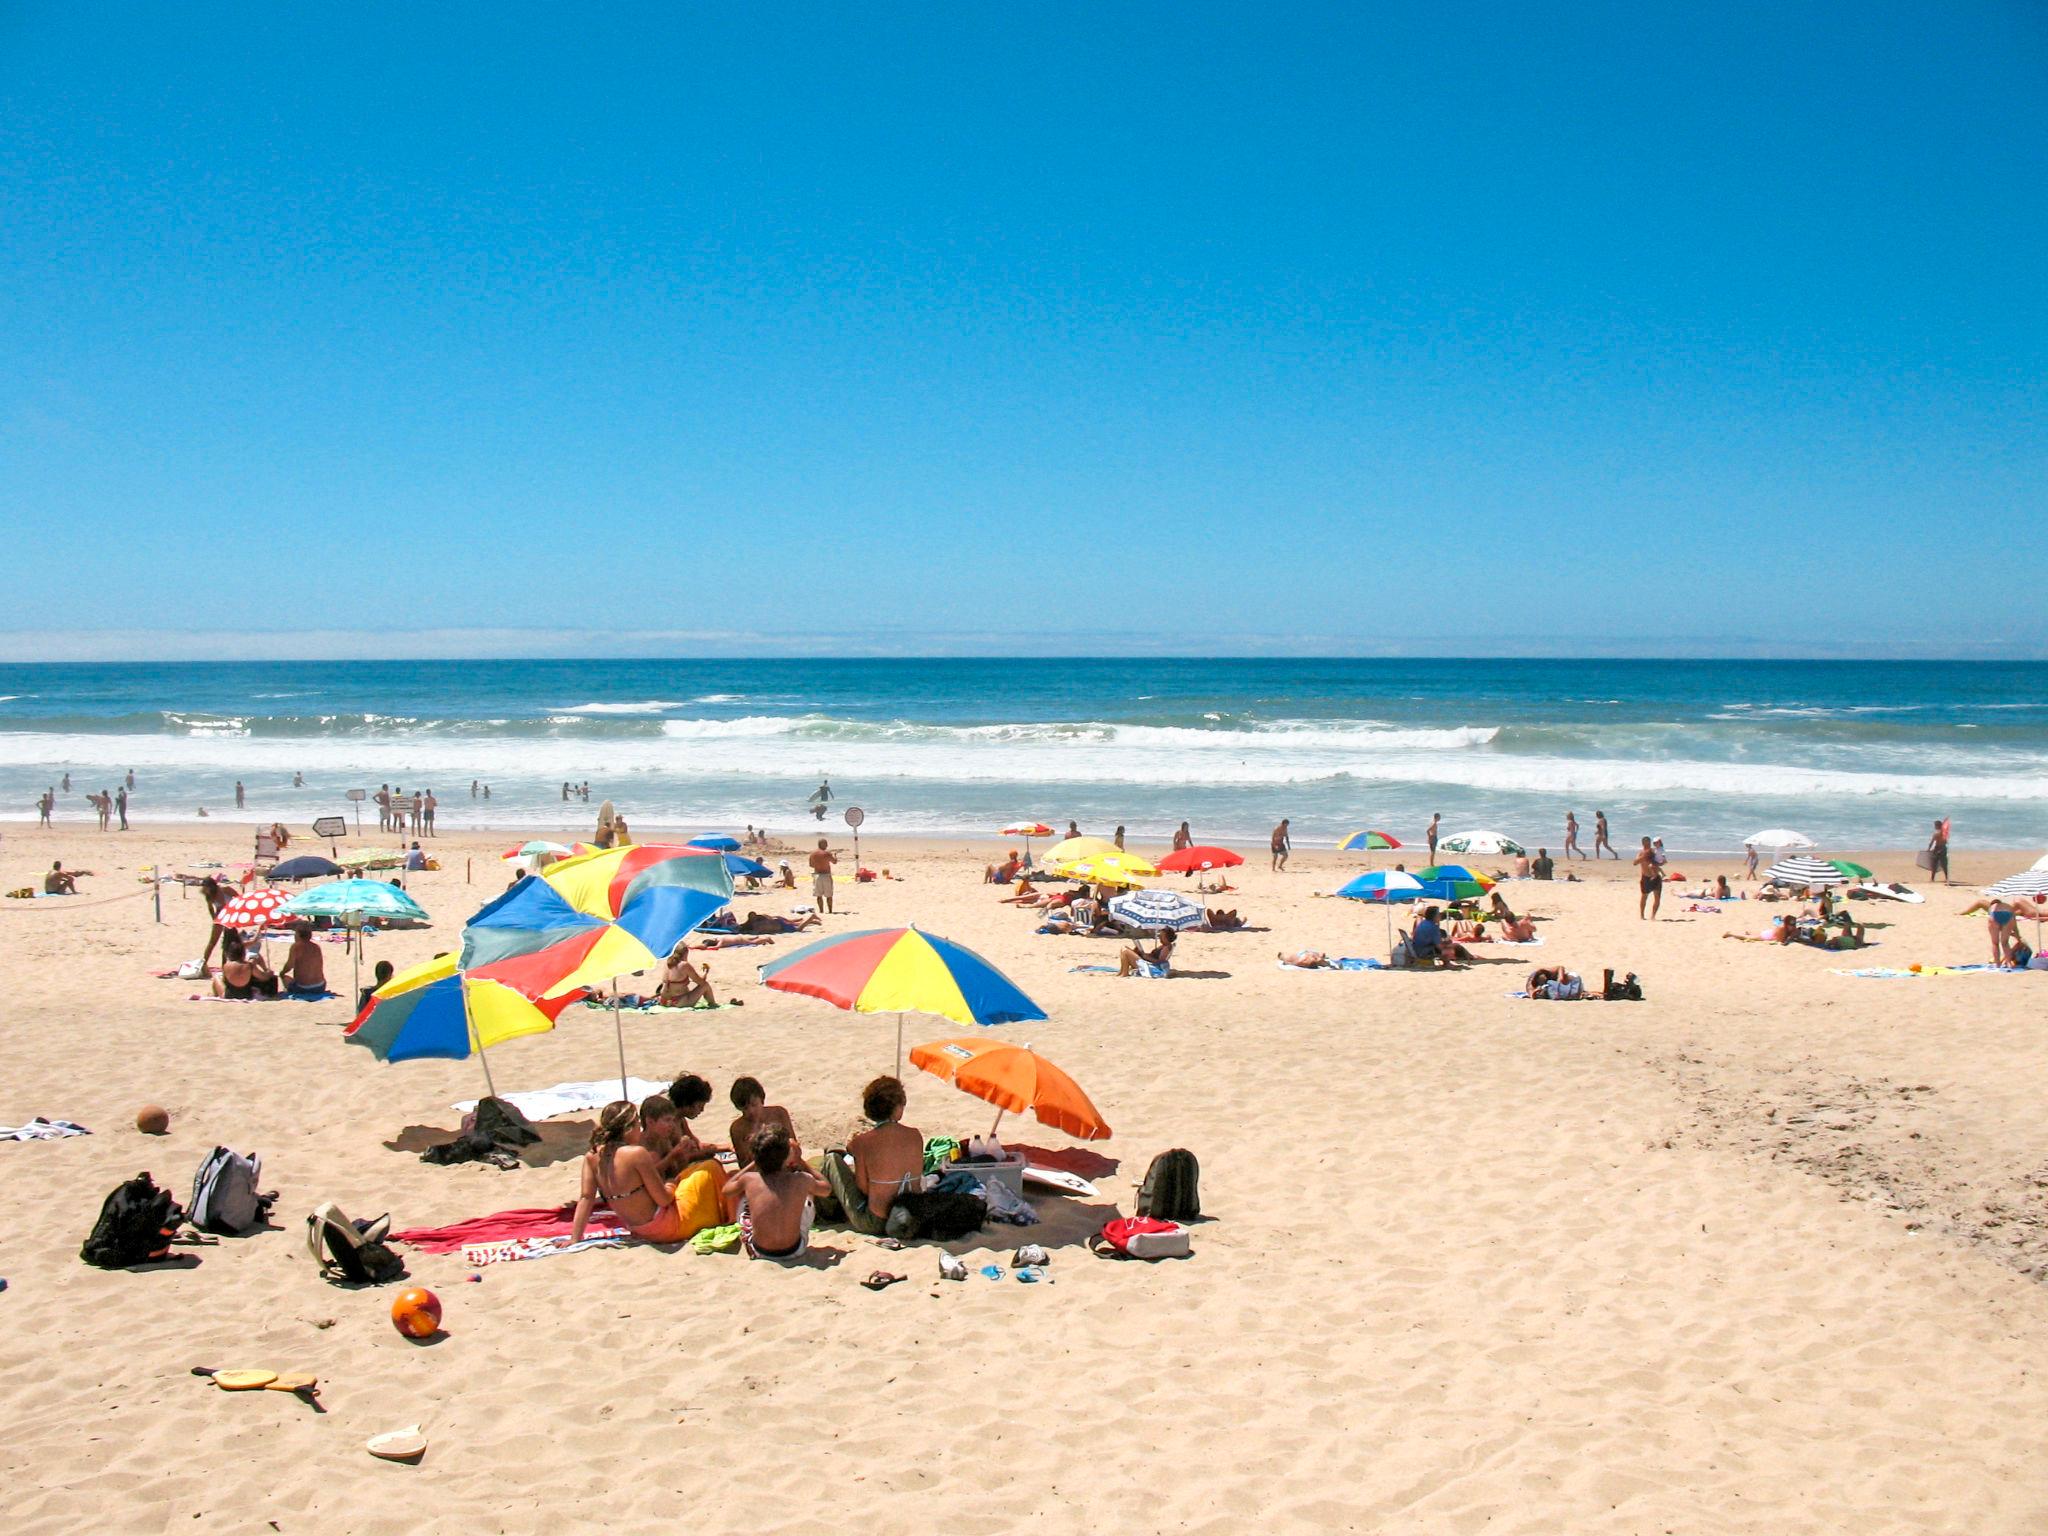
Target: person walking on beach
{"type": "Point", "coordinates": [1436, 822]}
{"type": "Point", "coordinates": [1649, 881]}
{"type": "Point", "coordinates": [105, 806]}
{"type": "Point", "coordinates": [1937, 853]}
{"type": "Point", "coordinates": [822, 859]}
{"type": "Point", "coordinates": [121, 806]}
{"type": "Point", "coordinates": [1571, 835]}
{"type": "Point", "coordinates": [1600, 836]}
{"type": "Point", "coordinates": [1283, 844]}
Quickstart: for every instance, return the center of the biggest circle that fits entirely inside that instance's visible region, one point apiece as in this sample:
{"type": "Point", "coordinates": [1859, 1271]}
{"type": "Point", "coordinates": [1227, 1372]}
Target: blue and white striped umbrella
{"type": "Point", "coordinates": [2033, 884]}
{"type": "Point", "coordinates": [1156, 909]}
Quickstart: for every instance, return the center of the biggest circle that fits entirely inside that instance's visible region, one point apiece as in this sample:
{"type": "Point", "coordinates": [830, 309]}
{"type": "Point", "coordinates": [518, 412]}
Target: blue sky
{"type": "Point", "coordinates": [956, 327]}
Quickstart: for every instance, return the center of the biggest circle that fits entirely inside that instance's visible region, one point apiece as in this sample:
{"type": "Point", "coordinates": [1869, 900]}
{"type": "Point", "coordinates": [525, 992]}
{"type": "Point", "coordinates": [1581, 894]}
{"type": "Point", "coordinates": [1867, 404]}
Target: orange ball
{"type": "Point", "coordinates": [152, 1120]}
{"type": "Point", "coordinates": [416, 1313]}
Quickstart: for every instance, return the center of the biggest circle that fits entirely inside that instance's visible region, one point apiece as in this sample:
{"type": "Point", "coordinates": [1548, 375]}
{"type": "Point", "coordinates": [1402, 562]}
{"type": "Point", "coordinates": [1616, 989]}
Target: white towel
{"type": "Point", "coordinates": [567, 1098]}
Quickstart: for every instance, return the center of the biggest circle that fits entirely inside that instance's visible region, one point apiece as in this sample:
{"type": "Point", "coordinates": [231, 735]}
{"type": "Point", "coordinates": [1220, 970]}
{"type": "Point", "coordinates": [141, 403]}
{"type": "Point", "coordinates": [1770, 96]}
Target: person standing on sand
{"type": "Point", "coordinates": [1436, 821]}
{"type": "Point", "coordinates": [121, 806]}
{"type": "Point", "coordinates": [1283, 844]}
{"type": "Point", "coordinates": [1571, 835]}
{"type": "Point", "coordinates": [822, 859]}
{"type": "Point", "coordinates": [46, 802]}
{"type": "Point", "coordinates": [241, 795]}
{"type": "Point", "coordinates": [1119, 838]}
{"type": "Point", "coordinates": [1600, 836]}
{"type": "Point", "coordinates": [1649, 881]}
{"type": "Point", "coordinates": [106, 808]}
{"type": "Point", "coordinates": [427, 812]}
{"type": "Point", "coordinates": [1937, 852]}
{"type": "Point", "coordinates": [1183, 838]}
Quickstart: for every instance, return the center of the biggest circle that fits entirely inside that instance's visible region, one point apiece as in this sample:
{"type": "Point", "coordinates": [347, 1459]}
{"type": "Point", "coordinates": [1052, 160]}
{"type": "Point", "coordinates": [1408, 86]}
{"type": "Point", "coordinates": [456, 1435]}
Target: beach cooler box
{"type": "Point", "coordinates": [1009, 1171]}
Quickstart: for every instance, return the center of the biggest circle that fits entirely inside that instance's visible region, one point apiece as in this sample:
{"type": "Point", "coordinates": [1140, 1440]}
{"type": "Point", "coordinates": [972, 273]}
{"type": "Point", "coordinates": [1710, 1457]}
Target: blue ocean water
{"type": "Point", "coordinates": [1854, 754]}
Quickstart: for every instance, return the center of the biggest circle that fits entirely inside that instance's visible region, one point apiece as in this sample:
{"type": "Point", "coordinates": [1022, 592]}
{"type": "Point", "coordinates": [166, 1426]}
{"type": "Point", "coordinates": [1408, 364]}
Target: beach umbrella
{"type": "Point", "coordinates": [1385, 886]}
{"type": "Point", "coordinates": [1015, 1079]}
{"type": "Point", "coordinates": [1778, 838]}
{"type": "Point", "coordinates": [366, 898]}
{"type": "Point", "coordinates": [433, 1009]}
{"type": "Point", "coordinates": [307, 866]}
{"type": "Point", "coordinates": [353, 902]}
{"type": "Point", "coordinates": [2031, 885]}
{"type": "Point", "coordinates": [716, 844]}
{"type": "Point", "coordinates": [589, 920]}
{"type": "Point", "coordinates": [1156, 909]}
{"type": "Point", "coordinates": [536, 849]}
{"type": "Point", "coordinates": [1368, 841]}
{"type": "Point", "coordinates": [740, 864]}
{"type": "Point", "coordinates": [1493, 843]}
{"type": "Point", "coordinates": [1110, 868]}
{"type": "Point", "coordinates": [899, 971]}
{"type": "Point", "coordinates": [1077, 848]}
{"type": "Point", "coordinates": [1802, 871]}
{"type": "Point", "coordinates": [1850, 868]}
{"type": "Point", "coordinates": [2040, 864]}
{"type": "Point", "coordinates": [253, 911]}
{"type": "Point", "coordinates": [1026, 830]}
{"type": "Point", "coordinates": [371, 858]}
{"type": "Point", "coordinates": [1452, 882]}
{"type": "Point", "coordinates": [1185, 861]}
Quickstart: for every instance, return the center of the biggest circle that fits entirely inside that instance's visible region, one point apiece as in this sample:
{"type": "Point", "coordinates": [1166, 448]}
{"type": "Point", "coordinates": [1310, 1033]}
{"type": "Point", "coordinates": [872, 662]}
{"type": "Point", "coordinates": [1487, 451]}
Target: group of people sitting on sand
{"type": "Point", "coordinates": [1823, 925]}
{"type": "Point", "coordinates": [663, 1183]}
{"type": "Point", "coordinates": [246, 975]}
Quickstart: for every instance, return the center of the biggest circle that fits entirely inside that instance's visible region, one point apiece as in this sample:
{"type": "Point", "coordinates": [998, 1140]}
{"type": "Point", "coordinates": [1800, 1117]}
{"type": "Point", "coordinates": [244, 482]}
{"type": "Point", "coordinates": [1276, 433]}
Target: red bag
{"type": "Point", "coordinates": [1142, 1237]}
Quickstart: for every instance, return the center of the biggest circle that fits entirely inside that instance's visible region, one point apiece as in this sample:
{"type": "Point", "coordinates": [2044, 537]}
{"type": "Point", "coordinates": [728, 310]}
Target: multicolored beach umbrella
{"type": "Point", "coordinates": [1368, 841]}
{"type": "Point", "coordinates": [1027, 830]}
{"type": "Point", "coordinates": [587, 919]}
{"type": "Point", "coordinates": [1385, 886]}
{"type": "Point", "coordinates": [433, 1010]}
{"type": "Point", "coordinates": [899, 971]}
{"type": "Point", "coordinates": [1452, 882]}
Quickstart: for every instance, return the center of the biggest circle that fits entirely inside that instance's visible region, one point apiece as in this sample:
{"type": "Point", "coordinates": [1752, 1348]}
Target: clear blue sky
{"type": "Point", "coordinates": [1232, 327]}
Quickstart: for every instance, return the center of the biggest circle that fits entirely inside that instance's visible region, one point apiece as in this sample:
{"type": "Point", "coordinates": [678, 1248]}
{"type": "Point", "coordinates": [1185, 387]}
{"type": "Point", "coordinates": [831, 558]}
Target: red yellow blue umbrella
{"type": "Point", "coordinates": [434, 1010]}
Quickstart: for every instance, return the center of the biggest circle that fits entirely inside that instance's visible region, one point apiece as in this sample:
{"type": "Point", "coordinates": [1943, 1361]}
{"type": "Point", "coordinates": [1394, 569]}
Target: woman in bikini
{"type": "Point", "coordinates": [241, 977]}
{"type": "Point", "coordinates": [624, 1176]}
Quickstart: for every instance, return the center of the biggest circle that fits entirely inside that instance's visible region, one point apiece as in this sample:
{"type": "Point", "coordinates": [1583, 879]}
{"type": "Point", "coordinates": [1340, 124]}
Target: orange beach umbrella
{"type": "Point", "coordinates": [1014, 1078]}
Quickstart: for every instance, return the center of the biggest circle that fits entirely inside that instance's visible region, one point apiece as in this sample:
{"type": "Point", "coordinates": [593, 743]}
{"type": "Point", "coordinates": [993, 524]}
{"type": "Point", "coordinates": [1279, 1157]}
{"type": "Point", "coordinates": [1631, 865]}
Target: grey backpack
{"type": "Point", "coordinates": [224, 1194]}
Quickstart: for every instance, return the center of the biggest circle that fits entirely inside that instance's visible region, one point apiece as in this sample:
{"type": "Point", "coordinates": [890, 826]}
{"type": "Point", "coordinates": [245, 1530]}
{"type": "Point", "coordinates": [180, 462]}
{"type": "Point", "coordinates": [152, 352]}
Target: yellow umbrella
{"type": "Point", "coordinates": [1111, 868]}
{"type": "Point", "coordinates": [1077, 847]}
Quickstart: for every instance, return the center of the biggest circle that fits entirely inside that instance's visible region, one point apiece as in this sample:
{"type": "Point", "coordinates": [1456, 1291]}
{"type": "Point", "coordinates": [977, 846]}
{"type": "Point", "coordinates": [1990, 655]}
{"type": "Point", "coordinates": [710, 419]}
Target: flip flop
{"type": "Point", "coordinates": [398, 1444]}
{"type": "Point", "coordinates": [881, 1279]}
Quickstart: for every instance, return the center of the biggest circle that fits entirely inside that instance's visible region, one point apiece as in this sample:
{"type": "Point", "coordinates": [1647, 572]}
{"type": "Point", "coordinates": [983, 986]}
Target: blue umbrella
{"type": "Point", "coordinates": [720, 844]}
{"type": "Point", "coordinates": [309, 866]}
{"type": "Point", "coordinates": [1385, 886]}
{"type": "Point", "coordinates": [740, 864]}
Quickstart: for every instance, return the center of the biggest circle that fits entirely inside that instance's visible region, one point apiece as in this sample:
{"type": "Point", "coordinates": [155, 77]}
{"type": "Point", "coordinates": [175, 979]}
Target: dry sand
{"type": "Point", "coordinates": [1758, 1254]}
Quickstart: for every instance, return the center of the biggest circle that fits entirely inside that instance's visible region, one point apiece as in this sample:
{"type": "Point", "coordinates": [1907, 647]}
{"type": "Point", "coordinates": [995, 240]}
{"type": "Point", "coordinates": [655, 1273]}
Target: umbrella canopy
{"type": "Point", "coordinates": [1384, 885]}
{"type": "Point", "coordinates": [718, 844]}
{"type": "Point", "coordinates": [1014, 1079]}
{"type": "Point", "coordinates": [2041, 864]}
{"type": "Point", "coordinates": [1077, 848]}
{"type": "Point", "coordinates": [432, 1009]}
{"type": "Point", "coordinates": [1367, 841]}
{"type": "Point", "coordinates": [902, 970]}
{"type": "Point", "coordinates": [1800, 870]}
{"type": "Point", "coordinates": [253, 911]}
{"type": "Point", "coordinates": [1111, 868]}
{"type": "Point", "coordinates": [372, 898]}
{"type": "Point", "coordinates": [2032, 884]}
{"type": "Point", "coordinates": [1452, 882]}
{"type": "Point", "coordinates": [1026, 829]}
{"type": "Point", "coordinates": [372, 858]}
{"type": "Point", "coordinates": [588, 919]}
{"type": "Point", "coordinates": [1853, 870]}
{"type": "Point", "coordinates": [1156, 909]}
{"type": "Point", "coordinates": [740, 864]}
{"type": "Point", "coordinates": [1778, 837]}
{"type": "Point", "coordinates": [1185, 861]}
{"type": "Point", "coordinates": [539, 847]}
{"type": "Point", "coordinates": [1482, 842]}
{"type": "Point", "coordinates": [308, 866]}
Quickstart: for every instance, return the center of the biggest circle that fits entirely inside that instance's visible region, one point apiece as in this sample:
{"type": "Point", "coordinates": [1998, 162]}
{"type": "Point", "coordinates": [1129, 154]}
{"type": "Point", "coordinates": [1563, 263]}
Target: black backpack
{"type": "Point", "coordinates": [352, 1252]}
{"type": "Point", "coordinates": [1627, 990]}
{"type": "Point", "coordinates": [1172, 1190]}
{"type": "Point", "coordinates": [137, 1222]}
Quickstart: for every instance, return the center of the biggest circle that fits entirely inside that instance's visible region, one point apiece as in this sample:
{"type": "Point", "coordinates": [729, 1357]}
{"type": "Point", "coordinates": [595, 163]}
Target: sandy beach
{"type": "Point", "coordinates": [1760, 1253]}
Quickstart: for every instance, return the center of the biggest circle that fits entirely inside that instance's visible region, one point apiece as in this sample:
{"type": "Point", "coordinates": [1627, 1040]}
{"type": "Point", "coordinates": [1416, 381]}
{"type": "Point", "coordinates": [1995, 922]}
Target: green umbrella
{"type": "Point", "coordinates": [1852, 870]}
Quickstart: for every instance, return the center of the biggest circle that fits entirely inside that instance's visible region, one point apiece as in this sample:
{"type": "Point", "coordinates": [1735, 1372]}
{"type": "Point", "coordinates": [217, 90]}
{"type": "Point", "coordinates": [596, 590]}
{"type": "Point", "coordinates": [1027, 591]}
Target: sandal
{"type": "Point", "coordinates": [881, 1279]}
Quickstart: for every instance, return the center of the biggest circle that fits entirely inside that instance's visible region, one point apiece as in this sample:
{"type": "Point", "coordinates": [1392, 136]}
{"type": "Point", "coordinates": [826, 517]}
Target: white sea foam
{"type": "Point", "coordinates": [635, 707]}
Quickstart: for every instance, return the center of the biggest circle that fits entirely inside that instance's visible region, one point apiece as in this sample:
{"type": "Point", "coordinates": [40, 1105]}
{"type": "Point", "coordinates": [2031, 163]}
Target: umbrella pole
{"type": "Point", "coordinates": [998, 1121]}
{"type": "Point", "coordinates": [619, 1031]}
{"type": "Point", "coordinates": [490, 1087]}
{"type": "Point", "coordinates": [898, 1072]}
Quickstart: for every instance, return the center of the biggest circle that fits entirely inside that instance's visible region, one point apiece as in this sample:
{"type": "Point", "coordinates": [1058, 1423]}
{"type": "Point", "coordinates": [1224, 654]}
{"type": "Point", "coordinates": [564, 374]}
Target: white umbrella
{"type": "Point", "coordinates": [2041, 863]}
{"type": "Point", "coordinates": [1804, 871]}
{"type": "Point", "coordinates": [1156, 909]}
{"type": "Point", "coordinates": [1482, 842]}
{"type": "Point", "coordinates": [2032, 885]}
{"type": "Point", "coordinates": [1778, 837]}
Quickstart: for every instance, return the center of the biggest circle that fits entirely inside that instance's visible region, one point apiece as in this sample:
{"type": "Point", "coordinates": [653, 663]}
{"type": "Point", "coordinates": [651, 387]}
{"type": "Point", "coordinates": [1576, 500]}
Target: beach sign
{"type": "Point", "coordinates": [357, 797]}
{"type": "Point", "coordinates": [330, 828]}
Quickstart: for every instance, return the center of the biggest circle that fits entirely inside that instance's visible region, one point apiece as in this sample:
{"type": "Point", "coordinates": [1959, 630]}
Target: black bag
{"type": "Point", "coordinates": [352, 1252]}
{"type": "Point", "coordinates": [1172, 1190]}
{"type": "Point", "coordinates": [1627, 990]}
{"type": "Point", "coordinates": [941, 1216]}
{"type": "Point", "coordinates": [137, 1222]}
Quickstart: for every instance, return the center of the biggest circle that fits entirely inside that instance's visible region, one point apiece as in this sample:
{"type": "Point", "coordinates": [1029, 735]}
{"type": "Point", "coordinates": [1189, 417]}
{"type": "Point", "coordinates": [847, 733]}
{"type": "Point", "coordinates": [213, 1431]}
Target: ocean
{"type": "Point", "coordinates": [1702, 753]}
